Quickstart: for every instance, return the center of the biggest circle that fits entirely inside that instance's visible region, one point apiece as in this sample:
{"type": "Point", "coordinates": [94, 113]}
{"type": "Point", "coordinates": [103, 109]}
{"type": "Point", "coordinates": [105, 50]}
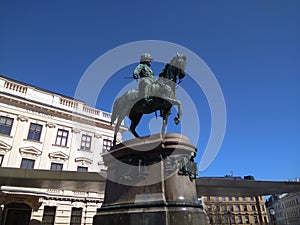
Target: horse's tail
{"type": "Point", "coordinates": [116, 111]}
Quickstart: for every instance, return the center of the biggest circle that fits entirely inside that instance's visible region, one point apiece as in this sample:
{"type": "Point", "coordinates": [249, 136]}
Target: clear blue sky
{"type": "Point", "coordinates": [252, 47]}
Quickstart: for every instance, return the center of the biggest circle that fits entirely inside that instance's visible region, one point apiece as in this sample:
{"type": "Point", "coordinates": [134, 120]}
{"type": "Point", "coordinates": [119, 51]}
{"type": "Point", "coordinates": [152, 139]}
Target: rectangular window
{"type": "Point", "coordinates": [231, 208]}
{"type": "Point", "coordinates": [27, 163]}
{"type": "Point", "coordinates": [232, 220]}
{"type": "Point", "coordinates": [247, 219]}
{"type": "Point", "coordinates": [216, 198]}
{"type": "Point", "coordinates": [48, 215]}
{"type": "Point", "coordinates": [244, 198]}
{"type": "Point", "coordinates": [86, 142]}
{"type": "Point", "coordinates": [35, 131]}
{"type": "Point", "coordinates": [237, 199]}
{"type": "Point", "coordinates": [229, 198]}
{"type": "Point", "coordinates": [255, 219]}
{"type": "Point", "coordinates": [76, 215]}
{"type": "Point", "coordinates": [1, 159]}
{"type": "Point", "coordinates": [223, 198]}
{"type": "Point", "coordinates": [56, 166]}
{"type": "Point", "coordinates": [245, 208]}
{"type": "Point", "coordinates": [82, 169]}
{"type": "Point", "coordinates": [239, 219]}
{"type": "Point", "coordinates": [5, 125]}
{"type": "Point", "coordinates": [209, 208]}
{"type": "Point", "coordinates": [62, 137]}
{"type": "Point", "coordinates": [224, 208]}
{"type": "Point", "coordinates": [253, 208]}
{"type": "Point", "coordinates": [106, 145]}
{"type": "Point", "coordinates": [238, 208]}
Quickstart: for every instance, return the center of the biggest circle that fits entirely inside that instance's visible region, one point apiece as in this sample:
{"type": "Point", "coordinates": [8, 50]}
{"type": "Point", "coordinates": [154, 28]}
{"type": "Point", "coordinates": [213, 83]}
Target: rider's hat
{"type": "Point", "coordinates": [146, 57]}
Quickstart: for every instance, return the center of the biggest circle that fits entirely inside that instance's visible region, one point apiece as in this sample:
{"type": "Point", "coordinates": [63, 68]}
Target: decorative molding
{"type": "Point", "coordinates": [75, 130]}
{"type": "Point", "coordinates": [33, 201]}
{"type": "Point", "coordinates": [30, 152]}
{"type": "Point", "coordinates": [58, 156]}
{"type": "Point", "coordinates": [97, 135]}
{"type": "Point", "coordinates": [83, 161]}
{"type": "Point", "coordinates": [101, 163]}
{"type": "Point", "coordinates": [22, 118]}
{"type": "Point", "coordinates": [4, 147]}
{"type": "Point", "coordinates": [50, 124]}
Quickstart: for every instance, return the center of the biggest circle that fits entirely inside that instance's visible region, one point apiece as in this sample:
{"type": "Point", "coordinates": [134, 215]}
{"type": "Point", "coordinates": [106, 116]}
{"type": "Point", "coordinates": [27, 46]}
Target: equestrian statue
{"type": "Point", "coordinates": [152, 95]}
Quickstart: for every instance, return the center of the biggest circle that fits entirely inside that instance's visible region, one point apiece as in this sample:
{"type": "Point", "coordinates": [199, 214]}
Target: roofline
{"type": "Point", "coordinates": [39, 88]}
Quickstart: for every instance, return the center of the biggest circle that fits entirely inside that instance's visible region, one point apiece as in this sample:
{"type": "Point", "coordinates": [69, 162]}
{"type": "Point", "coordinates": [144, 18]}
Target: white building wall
{"type": "Point", "coordinates": [26, 104]}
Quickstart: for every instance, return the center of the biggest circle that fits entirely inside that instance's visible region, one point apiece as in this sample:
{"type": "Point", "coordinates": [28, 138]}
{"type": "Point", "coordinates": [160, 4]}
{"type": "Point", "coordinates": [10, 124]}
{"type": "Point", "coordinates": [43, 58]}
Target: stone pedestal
{"type": "Point", "coordinates": [151, 181]}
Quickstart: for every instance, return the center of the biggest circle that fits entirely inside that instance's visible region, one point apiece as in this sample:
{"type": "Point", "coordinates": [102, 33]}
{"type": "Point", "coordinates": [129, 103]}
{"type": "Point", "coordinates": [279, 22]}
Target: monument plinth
{"type": "Point", "coordinates": [151, 181]}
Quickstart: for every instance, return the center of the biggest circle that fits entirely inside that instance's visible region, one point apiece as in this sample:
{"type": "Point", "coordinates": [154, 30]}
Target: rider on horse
{"type": "Point", "coordinates": [144, 72]}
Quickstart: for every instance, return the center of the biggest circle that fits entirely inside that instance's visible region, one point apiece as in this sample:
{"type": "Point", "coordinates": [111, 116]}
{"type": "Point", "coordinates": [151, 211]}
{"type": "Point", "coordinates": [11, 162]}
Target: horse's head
{"type": "Point", "coordinates": [175, 68]}
{"type": "Point", "coordinates": [179, 63]}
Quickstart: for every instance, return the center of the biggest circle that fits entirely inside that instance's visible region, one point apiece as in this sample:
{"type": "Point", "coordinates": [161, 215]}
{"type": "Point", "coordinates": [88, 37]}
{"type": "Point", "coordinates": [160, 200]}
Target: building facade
{"type": "Point", "coordinates": [284, 208]}
{"type": "Point", "coordinates": [40, 129]}
{"type": "Point", "coordinates": [235, 209]}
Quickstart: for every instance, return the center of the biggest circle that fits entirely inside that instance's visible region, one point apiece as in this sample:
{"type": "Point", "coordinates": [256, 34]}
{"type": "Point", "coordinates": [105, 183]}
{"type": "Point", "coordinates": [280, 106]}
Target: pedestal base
{"type": "Point", "coordinates": [154, 215]}
{"type": "Point", "coordinates": [150, 181]}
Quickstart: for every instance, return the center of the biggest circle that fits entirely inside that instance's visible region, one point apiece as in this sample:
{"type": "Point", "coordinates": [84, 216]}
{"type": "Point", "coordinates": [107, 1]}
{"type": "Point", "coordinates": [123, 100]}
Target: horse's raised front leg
{"type": "Point", "coordinates": [179, 108]}
{"type": "Point", "coordinates": [179, 114]}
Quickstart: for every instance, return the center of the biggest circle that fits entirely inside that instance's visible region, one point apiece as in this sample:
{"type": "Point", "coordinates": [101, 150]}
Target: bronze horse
{"type": "Point", "coordinates": [162, 93]}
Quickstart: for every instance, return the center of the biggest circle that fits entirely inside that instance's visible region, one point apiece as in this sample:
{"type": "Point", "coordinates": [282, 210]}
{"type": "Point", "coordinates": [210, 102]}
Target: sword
{"type": "Point", "coordinates": [130, 78]}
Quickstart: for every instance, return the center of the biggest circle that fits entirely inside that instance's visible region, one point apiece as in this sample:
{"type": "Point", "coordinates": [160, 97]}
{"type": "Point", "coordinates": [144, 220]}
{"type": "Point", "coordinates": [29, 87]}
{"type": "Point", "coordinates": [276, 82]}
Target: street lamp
{"type": "Point", "coordinates": [272, 213]}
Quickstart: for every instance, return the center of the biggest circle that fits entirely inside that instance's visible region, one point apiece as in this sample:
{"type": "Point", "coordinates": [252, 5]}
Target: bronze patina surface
{"type": "Point", "coordinates": [151, 181]}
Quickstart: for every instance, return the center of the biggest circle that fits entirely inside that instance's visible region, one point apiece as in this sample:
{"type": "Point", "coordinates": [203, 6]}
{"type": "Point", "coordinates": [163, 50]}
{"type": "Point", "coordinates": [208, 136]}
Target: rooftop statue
{"type": "Point", "coordinates": [153, 95]}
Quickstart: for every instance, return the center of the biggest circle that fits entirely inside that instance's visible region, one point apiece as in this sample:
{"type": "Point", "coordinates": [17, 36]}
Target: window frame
{"type": "Point", "coordinates": [4, 126]}
{"type": "Point", "coordinates": [76, 214]}
{"type": "Point", "coordinates": [240, 219]}
{"type": "Point", "coordinates": [255, 218]}
{"type": "Point", "coordinates": [107, 144]}
{"type": "Point", "coordinates": [35, 132]}
{"type": "Point", "coordinates": [82, 169]}
{"type": "Point", "coordinates": [85, 145]}
{"type": "Point", "coordinates": [56, 166]}
{"type": "Point", "coordinates": [1, 159]}
{"type": "Point", "coordinates": [26, 163]}
{"type": "Point", "coordinates": [49, 214]}
{"type": "Point", "coordinates": [247, 220]}
{"type": "Point", "coordinates": [61, 139]}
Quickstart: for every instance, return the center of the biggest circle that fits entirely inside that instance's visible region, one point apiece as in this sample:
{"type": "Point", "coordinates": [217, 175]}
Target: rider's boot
{"type": "Point", "coordinates": [148, 100]}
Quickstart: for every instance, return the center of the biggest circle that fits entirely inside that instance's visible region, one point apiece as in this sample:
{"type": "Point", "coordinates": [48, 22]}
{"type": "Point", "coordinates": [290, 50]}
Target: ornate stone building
{"type": "Point", "coordinates": [40, 129]}
{"type": "Point", "coordinates": [235, 209]}
{"type": "Point", "coordinates": [284, 208]}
